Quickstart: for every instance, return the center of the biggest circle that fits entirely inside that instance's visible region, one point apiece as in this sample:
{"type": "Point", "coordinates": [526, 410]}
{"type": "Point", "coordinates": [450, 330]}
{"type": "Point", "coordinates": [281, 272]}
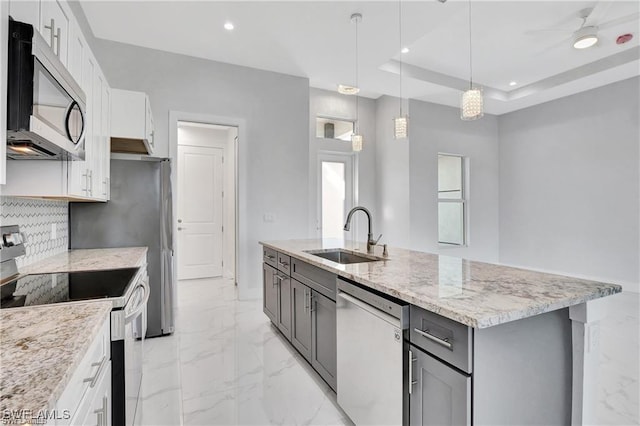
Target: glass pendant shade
{"type": "Point", "coordinates": [472, 105]}
{"type": "Point", "coordinates": [401, 127]}
{"type": "Point", "coordinates": [356, 142]}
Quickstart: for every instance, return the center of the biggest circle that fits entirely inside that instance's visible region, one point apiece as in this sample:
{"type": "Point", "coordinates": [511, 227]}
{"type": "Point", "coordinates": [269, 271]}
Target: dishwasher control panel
{"type": "Point", "coordinates": [396, 308]}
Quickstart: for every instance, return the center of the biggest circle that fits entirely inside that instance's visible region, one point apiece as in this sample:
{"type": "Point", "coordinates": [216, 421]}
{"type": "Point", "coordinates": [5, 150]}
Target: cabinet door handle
{"type": "Point", "coordinates": [444, 342]}
{"type": "Point", "coordinates": [102, 412]}
{"type": "Point", "coordinates": [51, 32]}
{"type": "Point", "coordinates": [86, 182]}
{"type": "Point", "coordinates": [270, 257]}
{"type": "Point", "coordinates": [93, 380]}
{"type": "Point", "coordinates": [91, 182]}
{"type": "Point", "coordinates": [412, 382]}
{"type": "Point", "coordinates": [285, 264]}
{"type": "Point", "coordinates": [312, 300]}
{"type": "Point", "coordinates": [306, 306]}
{"type": "Point", "coordinates": [57, 37]}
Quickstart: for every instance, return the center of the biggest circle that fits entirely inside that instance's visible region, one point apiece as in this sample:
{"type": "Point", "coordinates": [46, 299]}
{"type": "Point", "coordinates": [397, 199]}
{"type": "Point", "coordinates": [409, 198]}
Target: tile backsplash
{"type": "Point", "coordinates": [36, 218]}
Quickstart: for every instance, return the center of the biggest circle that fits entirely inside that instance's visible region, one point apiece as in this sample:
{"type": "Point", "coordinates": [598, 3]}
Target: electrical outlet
{"type": "Point", "coordinates": [268, 218]}
{"type": "Point", "coordinates": [54, 231]}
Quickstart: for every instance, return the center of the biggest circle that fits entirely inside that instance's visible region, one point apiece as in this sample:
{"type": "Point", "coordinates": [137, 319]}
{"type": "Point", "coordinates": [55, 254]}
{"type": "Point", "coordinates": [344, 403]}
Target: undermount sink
{"type": "Point", "coordinates": [343, 257]}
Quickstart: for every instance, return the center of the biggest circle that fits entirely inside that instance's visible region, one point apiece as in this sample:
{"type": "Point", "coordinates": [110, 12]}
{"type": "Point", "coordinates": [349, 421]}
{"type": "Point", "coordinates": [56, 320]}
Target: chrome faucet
{"type": "Point", "coordinates": [370, 241]}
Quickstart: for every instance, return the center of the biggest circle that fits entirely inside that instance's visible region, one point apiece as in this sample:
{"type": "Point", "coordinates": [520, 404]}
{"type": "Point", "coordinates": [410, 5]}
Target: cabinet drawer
{"type": "Point", "coordinates": [87, 376]}
{"type": "Point", "coordinates": [322, 281]}
{"type": "Point", "coordinates": [284, 263]}
{"type": "Point", "coordinates": [95, 409]}
{"type": "Point", "coordinates": [442, 337]}
{"type": "Point", "coordinates": [270, 256]}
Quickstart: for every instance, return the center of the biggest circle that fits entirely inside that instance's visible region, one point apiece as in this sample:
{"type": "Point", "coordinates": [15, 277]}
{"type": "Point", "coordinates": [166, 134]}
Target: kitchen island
{"type": "Point", "coordinates": [526, 332]}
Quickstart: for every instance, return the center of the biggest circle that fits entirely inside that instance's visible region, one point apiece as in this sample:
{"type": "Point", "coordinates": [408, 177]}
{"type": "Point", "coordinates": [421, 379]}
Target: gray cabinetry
{"type": "Point", "coordinates": [440, 394]}
{"type": "Point", "coordinates": [323, 337]}
{"type": "Point", "coordinates": [303, 308]}
{"type": "Point", "coordinates": [517, 373]}
{"type": "Point", "coordinates": [301, 318]}
{"type": "Point", "coordinates": [284, 304]}
{"type": "Point", "coordinates": [270, 292]}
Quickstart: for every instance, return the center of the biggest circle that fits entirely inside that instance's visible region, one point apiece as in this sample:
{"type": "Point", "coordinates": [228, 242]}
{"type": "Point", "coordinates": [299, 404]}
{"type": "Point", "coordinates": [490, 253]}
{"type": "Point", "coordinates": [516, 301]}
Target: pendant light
{"type": "Point", "coordinates": [400, 123]}
{"type": "Point", "coordinates": [356, 138]}
{"type": "Point", "coordinates": [472, 104]}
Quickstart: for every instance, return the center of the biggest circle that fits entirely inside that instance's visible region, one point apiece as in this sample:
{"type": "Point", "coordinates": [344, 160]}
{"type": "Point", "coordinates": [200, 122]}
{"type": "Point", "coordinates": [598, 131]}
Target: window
{"type": "Point", "coordinates": [333, 128]}
{"type": "Point", "coordinates": [451, 200]}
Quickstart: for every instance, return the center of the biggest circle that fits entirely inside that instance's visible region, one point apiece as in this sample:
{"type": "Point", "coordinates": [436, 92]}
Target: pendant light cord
{"type": "Point", "coordinates": [357, 85]}
{"type": "Point", "coordinates": [400, 38]}
{"type": "Point", "coordinates": [470, 50]}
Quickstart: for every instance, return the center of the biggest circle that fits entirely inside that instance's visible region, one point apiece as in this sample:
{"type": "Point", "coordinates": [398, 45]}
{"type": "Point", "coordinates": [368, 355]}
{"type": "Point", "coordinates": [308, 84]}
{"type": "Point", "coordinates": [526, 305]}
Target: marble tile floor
{"type": "Point", "coordinates": [226, 365]}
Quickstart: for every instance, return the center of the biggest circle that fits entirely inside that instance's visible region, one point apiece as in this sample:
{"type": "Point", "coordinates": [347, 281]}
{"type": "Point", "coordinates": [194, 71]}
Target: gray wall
{"type": "Point", "coordinates": [569, 185]}
{"type": "Point", "coordinates": [407, 172]}
{"type": "Point", "coordinates": [273, 158]}
{"type": "Point", "coordinates": [392, 175]}
{"type": "Point", "coordinates": [332, 104]}
{"type": "Point", "coordinates": [438, 129]}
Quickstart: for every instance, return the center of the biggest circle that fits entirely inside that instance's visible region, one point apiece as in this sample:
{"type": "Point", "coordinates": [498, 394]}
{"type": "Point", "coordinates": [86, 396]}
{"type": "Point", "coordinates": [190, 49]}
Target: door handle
{"type": "Point", "coordinates": [180, 228]}
{"type": "Point", "coordinates": [444, 342]}
{"type": "Point", "coordinates": [412, 382]}
{"type": "Point", "coordinates": [57, 37]}
{"type": "Point", "coordinates": [305, 301]}
{"type": "Point", "coordinates": [92, 380]}
{"type": "Point", "coordinates": [51, 32]}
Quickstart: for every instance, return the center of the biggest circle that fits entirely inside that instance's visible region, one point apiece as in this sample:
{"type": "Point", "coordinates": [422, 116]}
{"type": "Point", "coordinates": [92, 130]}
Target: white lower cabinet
{"type": "Point", "coordinates": [97, 411]}
{"type": "Point", "coordinates": [87, 398]}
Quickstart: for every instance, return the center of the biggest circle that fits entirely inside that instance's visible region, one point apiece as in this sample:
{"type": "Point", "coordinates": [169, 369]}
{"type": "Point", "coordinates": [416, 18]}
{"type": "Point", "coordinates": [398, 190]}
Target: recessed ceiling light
{"type": "Point", "coordinates": [513, 83]}
{"type": "Point", "coordinates": [405, 50]}
{"type": "Point", "coordinates": [585, 37]}
{"type": "Point", "coordinates": [347, 90]}
{"type": "Point", "coordinates": [228, 26]}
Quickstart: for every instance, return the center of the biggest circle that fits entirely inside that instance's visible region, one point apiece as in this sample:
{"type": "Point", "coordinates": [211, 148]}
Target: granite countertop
{"type": "Point", "coordinates": [89, 260]}
{"type": "Point", "coordinates": [477, 294]}
{"type": "Point", "coordinates": [41, 347]}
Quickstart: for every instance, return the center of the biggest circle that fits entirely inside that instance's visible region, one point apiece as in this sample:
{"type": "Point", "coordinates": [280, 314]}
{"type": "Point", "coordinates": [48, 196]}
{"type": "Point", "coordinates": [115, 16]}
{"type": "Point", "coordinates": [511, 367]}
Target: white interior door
{"type": "Point", "coordinates": [200, 204]}
{"type": "Point", "coordinates": [336, 195]}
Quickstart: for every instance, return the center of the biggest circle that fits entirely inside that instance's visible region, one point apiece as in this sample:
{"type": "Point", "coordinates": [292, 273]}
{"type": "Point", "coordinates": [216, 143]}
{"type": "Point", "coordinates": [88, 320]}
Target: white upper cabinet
{"type": "Point", "coordinates": [131, 122]}
{"type": "Point", "coordinates": [77, 54]}
{"type": "Point", "coordinates": [4, 31]}
{"type": "Point", "coordinates": [54, 26]}
{"type": "Point", "coordinates": [25, 11]}
{"type": "Point", "coordinates": [86, 180]}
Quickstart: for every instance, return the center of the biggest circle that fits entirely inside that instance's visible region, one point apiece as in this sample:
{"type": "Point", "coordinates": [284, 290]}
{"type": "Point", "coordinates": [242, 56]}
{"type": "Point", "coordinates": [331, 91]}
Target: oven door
{"type": "Point", "coordinates": [128, 328]}
{"type": "Point", "coordinates": [135, 324]}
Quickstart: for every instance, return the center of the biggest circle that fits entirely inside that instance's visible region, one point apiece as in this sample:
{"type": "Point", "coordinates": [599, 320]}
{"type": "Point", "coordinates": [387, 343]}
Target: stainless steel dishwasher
{"type": "Point", "coordinates": [370, 355]}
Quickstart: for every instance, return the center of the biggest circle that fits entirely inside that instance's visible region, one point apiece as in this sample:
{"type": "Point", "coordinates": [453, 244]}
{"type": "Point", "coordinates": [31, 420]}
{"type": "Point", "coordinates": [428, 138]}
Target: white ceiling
{"type": "Point", "coordinates": [316, 39]}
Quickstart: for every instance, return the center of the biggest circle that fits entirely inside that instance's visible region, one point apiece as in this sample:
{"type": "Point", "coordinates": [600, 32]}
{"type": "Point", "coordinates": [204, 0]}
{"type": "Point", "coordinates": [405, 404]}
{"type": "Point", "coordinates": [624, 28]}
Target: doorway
{"type": "Point", "coordinates": [336, 194]}
{"type": "Point", "coordinates": [206, 200]}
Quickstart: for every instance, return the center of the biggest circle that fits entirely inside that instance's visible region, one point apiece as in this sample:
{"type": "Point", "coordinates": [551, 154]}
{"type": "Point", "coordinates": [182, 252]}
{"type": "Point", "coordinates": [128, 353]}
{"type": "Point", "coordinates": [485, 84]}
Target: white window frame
{"type": "Point", "coordinates": [463, 200]}
{"type": "Point", "coordinates": [350, 161]}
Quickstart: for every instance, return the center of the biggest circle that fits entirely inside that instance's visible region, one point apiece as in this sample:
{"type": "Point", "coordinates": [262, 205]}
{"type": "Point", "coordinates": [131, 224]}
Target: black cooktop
{"type": "Point", "coordinates": [44, 289]}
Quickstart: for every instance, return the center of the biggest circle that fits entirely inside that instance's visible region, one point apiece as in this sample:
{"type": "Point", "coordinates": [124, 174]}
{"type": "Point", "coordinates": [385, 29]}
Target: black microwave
{"type": "Point", "coordinates": [45, 105]}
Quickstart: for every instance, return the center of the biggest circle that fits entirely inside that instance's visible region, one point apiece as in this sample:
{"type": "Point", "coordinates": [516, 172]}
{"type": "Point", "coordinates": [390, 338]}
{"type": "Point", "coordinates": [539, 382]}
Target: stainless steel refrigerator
{"type": "Point", "coordinates": [138, 214]}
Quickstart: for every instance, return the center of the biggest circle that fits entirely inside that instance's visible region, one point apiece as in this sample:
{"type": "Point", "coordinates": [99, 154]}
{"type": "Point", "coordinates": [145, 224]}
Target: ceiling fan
{"type": "Point", "coordinates": [587, 34]}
